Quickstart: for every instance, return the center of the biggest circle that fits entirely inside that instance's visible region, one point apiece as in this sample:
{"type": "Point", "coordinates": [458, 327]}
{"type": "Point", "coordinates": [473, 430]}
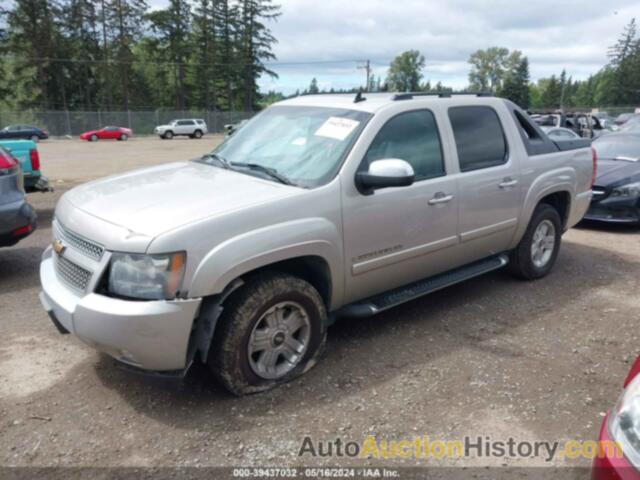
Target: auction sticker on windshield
{"type": "Point", "coordinates": [337, 128]}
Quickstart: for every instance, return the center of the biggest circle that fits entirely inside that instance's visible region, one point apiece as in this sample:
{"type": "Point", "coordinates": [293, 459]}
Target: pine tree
{"type": "Point", "coordinates": [551, 91]}
{"type": "Point", "coordinates": [228, 41]}
{"type": "Point", "coordinates": [125, 21]}
{"type": "Point", "coordinates": [82, 42]}
{"type": "Point", "coordinates": [206, 21]}
{"type": "Point", "coordinates": [173, 28]}
{"type": "Point", "coordinates": [624, 57]}
{"type": "Point", "coordinates": [33, 40]}
{"type": "Point", "coordinates": [515, 86]}
{"type": "Point", "coordinates": [313, 87]}
{"type": "Point", "coordinates": [256, 43]}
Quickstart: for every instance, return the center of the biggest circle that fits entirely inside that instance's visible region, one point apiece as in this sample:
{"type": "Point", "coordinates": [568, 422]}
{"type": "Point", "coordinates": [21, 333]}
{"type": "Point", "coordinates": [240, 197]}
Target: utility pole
{"type": "Point", "coordinates": [367, 68]}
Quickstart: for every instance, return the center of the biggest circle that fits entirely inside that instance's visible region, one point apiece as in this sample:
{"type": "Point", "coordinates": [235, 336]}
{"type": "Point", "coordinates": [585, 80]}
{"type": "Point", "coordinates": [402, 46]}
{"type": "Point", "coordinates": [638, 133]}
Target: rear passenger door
{"type": "Point", "coordinates": [489, 181]}
{"type": "Point", "coordinates": [185, 127]}
{"type": "Point", "coordinates": [398, 235]}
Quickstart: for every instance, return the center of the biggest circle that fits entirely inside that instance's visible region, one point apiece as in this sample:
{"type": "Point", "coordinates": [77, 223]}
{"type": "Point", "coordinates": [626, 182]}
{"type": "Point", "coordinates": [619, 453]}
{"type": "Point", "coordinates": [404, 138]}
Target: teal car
{"type": "Point", "coordinates": [26, 152]}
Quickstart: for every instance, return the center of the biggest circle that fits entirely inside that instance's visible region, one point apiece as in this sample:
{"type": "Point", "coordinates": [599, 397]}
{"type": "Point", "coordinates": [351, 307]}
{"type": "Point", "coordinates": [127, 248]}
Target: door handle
{"type": "Point", "coordinates": [440, 197]}
{"type": "Point", "coordinates": [508, 182]}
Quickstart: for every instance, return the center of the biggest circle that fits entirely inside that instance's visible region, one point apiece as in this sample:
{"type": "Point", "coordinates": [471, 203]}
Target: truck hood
{"type": "Point", "coordinates": [613, 172]}
{"type": "Point", "coordinates": [158, 199]}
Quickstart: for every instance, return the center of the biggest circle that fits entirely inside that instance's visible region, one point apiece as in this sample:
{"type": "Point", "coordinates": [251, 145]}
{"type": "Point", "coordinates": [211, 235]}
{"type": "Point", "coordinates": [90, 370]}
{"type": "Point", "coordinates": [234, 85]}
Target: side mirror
{"type": "Point", "coordinates": [386, 173]}
{"type": "Point", "coordinates": [230, 129]}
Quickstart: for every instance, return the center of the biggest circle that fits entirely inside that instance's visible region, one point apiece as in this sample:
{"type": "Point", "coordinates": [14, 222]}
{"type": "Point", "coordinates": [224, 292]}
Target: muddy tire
{"type": "Point", "coordinates": [272, 330]}
{"type": "Point", "coordinates": [536, 253]}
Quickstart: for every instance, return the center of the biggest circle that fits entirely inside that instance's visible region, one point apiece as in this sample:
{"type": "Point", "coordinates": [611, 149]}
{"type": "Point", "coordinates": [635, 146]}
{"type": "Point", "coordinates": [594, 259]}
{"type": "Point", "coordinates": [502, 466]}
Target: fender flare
{"type": "Point", "coordinates": [315, 237]}
{"type": "Point", "coordinates": [556, 181]}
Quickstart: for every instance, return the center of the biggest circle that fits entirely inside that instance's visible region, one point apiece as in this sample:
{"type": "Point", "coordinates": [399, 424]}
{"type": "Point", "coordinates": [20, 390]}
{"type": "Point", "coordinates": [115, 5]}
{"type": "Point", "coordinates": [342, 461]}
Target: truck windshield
{"type": "Point", "coordinates": [305, 145]}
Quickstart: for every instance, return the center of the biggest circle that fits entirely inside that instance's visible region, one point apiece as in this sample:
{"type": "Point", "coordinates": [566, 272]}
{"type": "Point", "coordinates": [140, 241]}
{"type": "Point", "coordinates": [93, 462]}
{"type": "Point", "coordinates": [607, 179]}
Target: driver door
{"type": "Point", "coordinates": [396, 236]}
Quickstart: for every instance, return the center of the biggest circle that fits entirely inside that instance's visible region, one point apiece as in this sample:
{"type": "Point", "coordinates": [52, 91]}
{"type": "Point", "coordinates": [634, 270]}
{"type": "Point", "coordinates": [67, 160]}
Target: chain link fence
{"type": "Point", "coordinates": [62, 123]}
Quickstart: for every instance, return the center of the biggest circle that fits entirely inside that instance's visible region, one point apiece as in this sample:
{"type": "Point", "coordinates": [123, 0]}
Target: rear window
{"type": "Point", "coordinates": [479, 137]}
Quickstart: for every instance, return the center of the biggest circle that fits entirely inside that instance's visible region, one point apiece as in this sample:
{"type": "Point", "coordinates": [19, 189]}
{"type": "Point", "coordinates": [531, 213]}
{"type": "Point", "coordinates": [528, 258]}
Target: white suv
{"type": "Point", "coordinates": [192, 127]}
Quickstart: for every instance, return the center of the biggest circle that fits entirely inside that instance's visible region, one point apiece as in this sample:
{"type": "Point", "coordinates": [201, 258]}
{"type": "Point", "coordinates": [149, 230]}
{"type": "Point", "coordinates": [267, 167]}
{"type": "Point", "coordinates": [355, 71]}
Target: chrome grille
{"type": "Point", "coordinates": [73, 275]}
{"type": "Point", "coordinates": [90, 249]}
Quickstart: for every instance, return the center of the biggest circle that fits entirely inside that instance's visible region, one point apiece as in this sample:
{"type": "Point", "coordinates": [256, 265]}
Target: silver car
{"type": "Point", "coordinates": [318, 208]}
{"type": "Point", "coordinates": [190, 127]}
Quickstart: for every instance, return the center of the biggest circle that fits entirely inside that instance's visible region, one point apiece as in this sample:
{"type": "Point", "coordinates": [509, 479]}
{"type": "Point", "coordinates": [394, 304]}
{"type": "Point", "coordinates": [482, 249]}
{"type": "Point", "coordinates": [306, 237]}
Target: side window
{"type": "Point", "coordinates": [479, 137]}
{"type": "Point", "coordinates": [185, 122]}
{"type": "Point", "coordinates": [413, 137]}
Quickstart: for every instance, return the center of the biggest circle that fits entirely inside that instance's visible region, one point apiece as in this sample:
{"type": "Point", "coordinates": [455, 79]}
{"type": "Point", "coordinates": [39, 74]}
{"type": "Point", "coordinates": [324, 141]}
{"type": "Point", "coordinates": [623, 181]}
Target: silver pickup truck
{"type": "Point", "coordinates": [320, 207]}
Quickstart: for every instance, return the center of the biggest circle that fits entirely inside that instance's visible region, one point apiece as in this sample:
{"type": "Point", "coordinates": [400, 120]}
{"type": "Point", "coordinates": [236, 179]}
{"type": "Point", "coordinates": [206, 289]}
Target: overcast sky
{"type": "Point", "coordinates": [554, 34]}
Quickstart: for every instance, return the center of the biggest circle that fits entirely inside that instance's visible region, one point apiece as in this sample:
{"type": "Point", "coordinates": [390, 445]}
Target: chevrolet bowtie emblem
{"type": "Point", "coordinates": [58, 247]}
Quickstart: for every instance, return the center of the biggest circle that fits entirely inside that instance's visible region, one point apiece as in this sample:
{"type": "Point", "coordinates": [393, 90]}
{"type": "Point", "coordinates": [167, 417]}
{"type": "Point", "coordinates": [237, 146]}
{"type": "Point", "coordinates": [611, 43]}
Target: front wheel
{"type": "Point", "coordinates": [536, 253]}
{"type": "Point", "coordinates": [168, 135]}
{"type": "Point", "coordinates": [272, 331]}
{"type": "Point", "coordinates": [94, 138]}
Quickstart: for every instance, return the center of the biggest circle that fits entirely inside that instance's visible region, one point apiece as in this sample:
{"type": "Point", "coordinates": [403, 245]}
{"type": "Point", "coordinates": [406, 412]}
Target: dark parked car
{"type": "Point", "coordinates": [616, 191]}
{"type": "Point", "coordinates": [25, 132]}
{"type": "Point", "coordinates": [624, 118]}
{"type": "Point", "coordinates": [17, 217]}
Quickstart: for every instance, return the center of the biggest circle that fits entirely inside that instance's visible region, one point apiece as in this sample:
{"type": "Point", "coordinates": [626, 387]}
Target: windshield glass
{"type": "Point", "coordinates": [304, 144]}
{"type": "Point", "coordinates": [614, 146]}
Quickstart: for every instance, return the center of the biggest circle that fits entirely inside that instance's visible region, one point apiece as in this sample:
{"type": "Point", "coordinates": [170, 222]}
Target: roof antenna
{"type": "Point", "coordinates": [359, 98]}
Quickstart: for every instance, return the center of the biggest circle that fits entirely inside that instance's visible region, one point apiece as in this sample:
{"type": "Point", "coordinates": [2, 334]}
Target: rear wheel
{"type": "Point", "coordinates": [124, 137]}
{"type": "Point", "coordinates": [273, 330]}
{"type": "Point", "coordinates": [35, 138]}
{"type": "Point", "coordinates": [536, 253]}
{"type": "Point", "coordinates": [197, 134]}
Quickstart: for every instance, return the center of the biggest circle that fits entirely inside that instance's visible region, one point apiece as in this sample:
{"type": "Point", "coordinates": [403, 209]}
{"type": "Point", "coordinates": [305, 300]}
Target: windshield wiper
{"type": "Point", "coordinates": [214, 156]}
{"type": "Point", "coordinates": [272, 172]}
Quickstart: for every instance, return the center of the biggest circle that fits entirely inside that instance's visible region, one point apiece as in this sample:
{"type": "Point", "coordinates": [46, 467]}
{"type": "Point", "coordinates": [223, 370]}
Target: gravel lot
{"type": "Point", "coordinates": [490, 357]}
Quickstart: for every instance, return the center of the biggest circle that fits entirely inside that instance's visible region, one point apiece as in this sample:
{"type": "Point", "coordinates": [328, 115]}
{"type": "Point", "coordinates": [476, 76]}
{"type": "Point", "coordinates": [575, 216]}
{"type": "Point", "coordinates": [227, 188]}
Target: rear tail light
{"type": "Point", "coordinates": [35, 159]}
{"type": "Point", "coordinates": [594, 157]}
{"type": "Point", "coordinates": [8, 164]}
{"type": "Point", "coordinates": [22, 230]}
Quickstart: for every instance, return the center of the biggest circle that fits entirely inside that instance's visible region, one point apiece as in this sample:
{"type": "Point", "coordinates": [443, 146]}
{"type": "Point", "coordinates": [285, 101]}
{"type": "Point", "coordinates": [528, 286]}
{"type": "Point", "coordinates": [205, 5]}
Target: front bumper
{"type": "Point", "coordinates": [37, 183]}
{"type": "Point", "coordinates": [149, 335]}
{"type": "Point", "coordinates": [615, 210]}
{"type": "Point", "coordinates": [14, 216]}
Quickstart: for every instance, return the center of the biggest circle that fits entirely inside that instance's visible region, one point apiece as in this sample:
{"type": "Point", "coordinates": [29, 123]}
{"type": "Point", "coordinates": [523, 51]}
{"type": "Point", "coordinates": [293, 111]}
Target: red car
{"type": "Point", "coordinates": [622, 425]}
{"type": "Point", "coordinates": [107, 133]}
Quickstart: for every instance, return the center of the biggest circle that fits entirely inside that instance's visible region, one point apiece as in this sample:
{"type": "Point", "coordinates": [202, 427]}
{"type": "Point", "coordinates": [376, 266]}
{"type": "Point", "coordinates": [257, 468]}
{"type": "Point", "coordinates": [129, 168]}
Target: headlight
{"type": "Point", "coordinates": [632, 190]}
{"type": "Point", "coordinates": [147, 277]}
{"type": "Point", "coordinates": [624, 422]}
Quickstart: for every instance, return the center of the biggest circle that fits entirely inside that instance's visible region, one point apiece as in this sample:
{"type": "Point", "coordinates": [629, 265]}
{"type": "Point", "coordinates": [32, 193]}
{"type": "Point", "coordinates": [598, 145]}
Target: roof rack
{"type": "Point", "coordinates": [411, 95]}
{"type": "Point", "coordinates": [358, 95]}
